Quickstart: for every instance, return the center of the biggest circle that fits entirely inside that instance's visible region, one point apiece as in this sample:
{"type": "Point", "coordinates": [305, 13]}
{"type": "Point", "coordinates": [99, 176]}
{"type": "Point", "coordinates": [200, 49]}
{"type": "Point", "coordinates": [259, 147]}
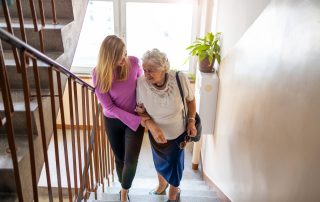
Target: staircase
{"type": "Point", "coordinates": [60, 42]}
{"type": "Point", "coordinates": [193, 188]}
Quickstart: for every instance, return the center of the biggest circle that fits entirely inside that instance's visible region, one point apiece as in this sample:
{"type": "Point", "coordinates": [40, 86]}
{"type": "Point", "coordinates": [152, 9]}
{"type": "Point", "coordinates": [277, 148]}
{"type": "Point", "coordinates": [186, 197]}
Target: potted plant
{"type": "Point", "coordinates": [208, 50]}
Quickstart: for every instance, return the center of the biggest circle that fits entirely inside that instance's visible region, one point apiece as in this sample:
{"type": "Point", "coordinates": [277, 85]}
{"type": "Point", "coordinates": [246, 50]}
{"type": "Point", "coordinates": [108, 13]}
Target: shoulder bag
{"type": "Point", "coordinates": [197, 118]}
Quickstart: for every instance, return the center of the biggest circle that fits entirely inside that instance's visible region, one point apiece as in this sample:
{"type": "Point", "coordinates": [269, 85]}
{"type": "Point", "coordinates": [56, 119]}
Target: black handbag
{"type": "Point", "coordinates": [197, 118]}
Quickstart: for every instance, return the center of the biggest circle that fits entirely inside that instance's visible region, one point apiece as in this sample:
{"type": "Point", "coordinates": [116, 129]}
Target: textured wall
{"type": "Point", "coordinates": [232, 18]}
{"type": "Point", "coordinates": [266, 143]}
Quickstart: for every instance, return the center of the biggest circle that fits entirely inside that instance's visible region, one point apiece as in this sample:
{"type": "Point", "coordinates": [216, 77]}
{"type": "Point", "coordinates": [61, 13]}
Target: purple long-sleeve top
{"type": "Point", "coordinates": [120, 101]}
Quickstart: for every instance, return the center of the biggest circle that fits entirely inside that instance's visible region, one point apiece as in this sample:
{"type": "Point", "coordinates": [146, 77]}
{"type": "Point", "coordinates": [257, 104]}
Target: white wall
{"type": "Point", "coordinates": [233, 18]}
{"type": "Point", "coordinates": [266, 143]}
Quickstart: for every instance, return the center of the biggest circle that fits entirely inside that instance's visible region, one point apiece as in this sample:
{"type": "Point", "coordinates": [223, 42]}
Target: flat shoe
{"type": "Point", "coordinates": [177, 197]}
{"type": "Point", "coordinates": [154, 192]}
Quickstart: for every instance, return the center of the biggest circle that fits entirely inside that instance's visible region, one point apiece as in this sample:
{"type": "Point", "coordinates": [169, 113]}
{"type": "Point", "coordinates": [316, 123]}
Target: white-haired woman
{"type": "Point", "coordinates": [158, 95]}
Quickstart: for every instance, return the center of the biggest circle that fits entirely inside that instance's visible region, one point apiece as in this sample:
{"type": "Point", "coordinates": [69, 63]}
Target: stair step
{"type": "Point", "coordinates": [15, 79]}
{"type": "Point", "coordinates": [5, 157]}
{"type": "Point", "coordinates": [147, 183]}
{"type": "Point", "coordinates": [7, 182]}
{"type": "Point", "coordinates": [185, 191]}
{"type": "Point", "coordinates": [155, 198]}
{"type": "Point", "coordinates": [8, 197]}
{"type": "Point", "coordinates": [52, 37]}
{"type": "Point", "coordinates": [145, 191]}
{"type": "Point", "coordinates": [18, 118]}
{"type": "Point", "coordinates": [9, 59]}
{"type": "Point", "coordinates": [191, 190]}
{"type": "Point", "coordinates": [63, 9]}
{"type": "Point", "coordinates": [18, 101]}
{"type": "Point", "coordinates": [28, 23]}
{"type": "Point", "coordinates": [7, 176]}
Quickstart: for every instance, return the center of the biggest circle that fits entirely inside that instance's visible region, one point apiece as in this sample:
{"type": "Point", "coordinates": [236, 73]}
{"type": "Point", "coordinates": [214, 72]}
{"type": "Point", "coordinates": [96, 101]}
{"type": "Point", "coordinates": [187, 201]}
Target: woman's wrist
{"type": "Point", "coordinates": [191, 119]}
{"type": "Point", "coordinates": [146, 122]}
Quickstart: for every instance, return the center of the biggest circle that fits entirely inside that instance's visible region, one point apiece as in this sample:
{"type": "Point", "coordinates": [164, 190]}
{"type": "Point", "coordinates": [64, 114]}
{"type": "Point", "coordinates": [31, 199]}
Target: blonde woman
{"type": "Point", "coordinates": [115, 79]}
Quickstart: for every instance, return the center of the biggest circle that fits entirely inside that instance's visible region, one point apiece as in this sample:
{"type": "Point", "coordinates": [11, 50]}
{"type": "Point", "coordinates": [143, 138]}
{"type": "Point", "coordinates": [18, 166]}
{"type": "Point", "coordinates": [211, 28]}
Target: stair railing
{"type": "Point", "coordinates": [90, 153]}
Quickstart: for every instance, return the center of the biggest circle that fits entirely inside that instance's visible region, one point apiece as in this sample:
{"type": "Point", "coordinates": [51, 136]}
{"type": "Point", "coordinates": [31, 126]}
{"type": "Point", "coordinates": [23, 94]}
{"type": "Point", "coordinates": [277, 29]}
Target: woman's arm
{"type": "Point", "coordinates": [191, 128]}
{"type": "Point", "coordinates": [156, 132]}
{"type": "Point", "coordinates": [191, 109]}
{"type": "Point", "coordinates": [131, 120]}
{"type": "Point", "coordinates": [147, 122]}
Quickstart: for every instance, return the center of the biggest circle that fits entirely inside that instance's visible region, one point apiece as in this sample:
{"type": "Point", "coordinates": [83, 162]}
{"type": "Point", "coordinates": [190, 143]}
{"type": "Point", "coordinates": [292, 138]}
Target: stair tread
{"type": "Point", "coordinates": [10, 62]}
{"type": "Point", "coordinates": [18, 100]}
{"type": "Point", "coordinates": [28, 23]}
{"type": "Point", "coordinates": [157, 198]}
{"type": "Point", "coordinates": [192, 190]}
{"type": "Point", "coordinates": [204, 192]}
{"type": "Point", "coordinates": [150, 182]}
{"type": "Point", "coordinates": [8, 197]}
{"type": "Point", "coordinates": [22, 150]}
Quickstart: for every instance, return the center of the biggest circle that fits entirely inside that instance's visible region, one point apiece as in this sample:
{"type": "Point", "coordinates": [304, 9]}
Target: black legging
{"type": "Point", "coordinates": [126, 145]}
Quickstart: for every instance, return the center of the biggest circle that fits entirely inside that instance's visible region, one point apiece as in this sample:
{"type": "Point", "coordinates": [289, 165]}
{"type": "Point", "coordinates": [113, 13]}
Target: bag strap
{"type": "Point", "coordinates": [181, 94]}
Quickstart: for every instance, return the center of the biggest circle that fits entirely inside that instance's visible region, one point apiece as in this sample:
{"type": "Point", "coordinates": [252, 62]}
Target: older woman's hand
{"type": "Point", "coordinates": [156, 132]}
{"type": "Point", "coordinates": [144, 118]}
{"type": "Point", "coordinates": [191, 128]}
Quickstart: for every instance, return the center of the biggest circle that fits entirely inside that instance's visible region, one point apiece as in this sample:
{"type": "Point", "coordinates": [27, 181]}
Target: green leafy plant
{"type": "Point", "coordinates": [192, 77]}
{"type": "Point", "coordinates": [206, 47]}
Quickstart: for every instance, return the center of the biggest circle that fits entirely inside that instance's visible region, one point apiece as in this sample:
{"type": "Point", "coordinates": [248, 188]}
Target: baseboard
{"type": "Point", "coordinates": [68, 127]}
{"type": "Point", "coordinates": [213, 186]}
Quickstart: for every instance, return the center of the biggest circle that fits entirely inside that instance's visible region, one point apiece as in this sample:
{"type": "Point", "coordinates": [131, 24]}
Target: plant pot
{"type": "Point", "coordinates": [205, 66]}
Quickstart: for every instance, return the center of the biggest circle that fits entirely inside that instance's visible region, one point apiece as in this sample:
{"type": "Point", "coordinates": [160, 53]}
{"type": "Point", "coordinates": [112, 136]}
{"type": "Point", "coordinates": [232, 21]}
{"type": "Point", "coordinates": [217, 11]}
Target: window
{"type": "Point", "coordinates": [144, 24]}
{"type": "Point", "coordinates": [166, 26]}
{"type": "Point", "coordinates": [98, 23]}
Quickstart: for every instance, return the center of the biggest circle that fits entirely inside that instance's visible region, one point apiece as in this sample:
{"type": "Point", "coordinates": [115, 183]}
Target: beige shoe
{"type": "Point", "coordinates": [154, 191]}
{"type": "Point", "coordinates": [177, 197]}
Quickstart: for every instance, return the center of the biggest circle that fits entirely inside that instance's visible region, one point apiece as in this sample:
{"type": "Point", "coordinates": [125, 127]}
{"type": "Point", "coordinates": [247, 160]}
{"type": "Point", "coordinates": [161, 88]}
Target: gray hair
{"type": "Point", "coordinates": [157, 57]}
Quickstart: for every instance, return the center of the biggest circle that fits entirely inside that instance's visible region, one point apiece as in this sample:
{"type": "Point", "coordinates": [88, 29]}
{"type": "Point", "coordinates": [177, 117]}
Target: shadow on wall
{"type": "Point", "coordinates": [268, 115]}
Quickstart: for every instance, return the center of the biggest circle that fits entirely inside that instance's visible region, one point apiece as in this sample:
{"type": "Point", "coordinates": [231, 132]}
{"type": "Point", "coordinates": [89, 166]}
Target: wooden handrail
{"type": "Point", "coordinates": [5, 36]}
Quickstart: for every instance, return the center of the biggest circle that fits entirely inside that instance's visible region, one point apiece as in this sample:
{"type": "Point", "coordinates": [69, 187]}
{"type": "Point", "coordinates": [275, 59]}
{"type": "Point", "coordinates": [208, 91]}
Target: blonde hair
{"type": "Point", "coordinates": [156, 57]}
{"type": "Point", "coordinates": [111, 51]}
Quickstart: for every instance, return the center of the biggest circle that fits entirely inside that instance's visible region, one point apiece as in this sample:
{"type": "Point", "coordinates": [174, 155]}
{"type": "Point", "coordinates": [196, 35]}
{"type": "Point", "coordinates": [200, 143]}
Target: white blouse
{"type": "Point", "coordinates": [165, 106]}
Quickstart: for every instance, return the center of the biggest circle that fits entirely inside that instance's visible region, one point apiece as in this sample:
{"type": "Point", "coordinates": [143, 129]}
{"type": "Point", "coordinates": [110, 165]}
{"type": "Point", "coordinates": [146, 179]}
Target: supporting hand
{"type": "Point", "coordinates": [140, 109]}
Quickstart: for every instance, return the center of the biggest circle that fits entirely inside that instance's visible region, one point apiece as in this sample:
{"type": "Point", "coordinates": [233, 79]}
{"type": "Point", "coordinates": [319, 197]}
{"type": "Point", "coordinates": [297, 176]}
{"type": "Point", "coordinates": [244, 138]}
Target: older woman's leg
{"type": "Point", "coordinates": [174, 193]}
{"type": "Point", "coordinates": [162, 184]}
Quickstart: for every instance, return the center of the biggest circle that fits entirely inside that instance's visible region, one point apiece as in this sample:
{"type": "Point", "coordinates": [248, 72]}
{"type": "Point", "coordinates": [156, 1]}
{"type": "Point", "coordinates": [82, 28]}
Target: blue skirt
{"type": "Point", "coordinates": [168, 159]}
